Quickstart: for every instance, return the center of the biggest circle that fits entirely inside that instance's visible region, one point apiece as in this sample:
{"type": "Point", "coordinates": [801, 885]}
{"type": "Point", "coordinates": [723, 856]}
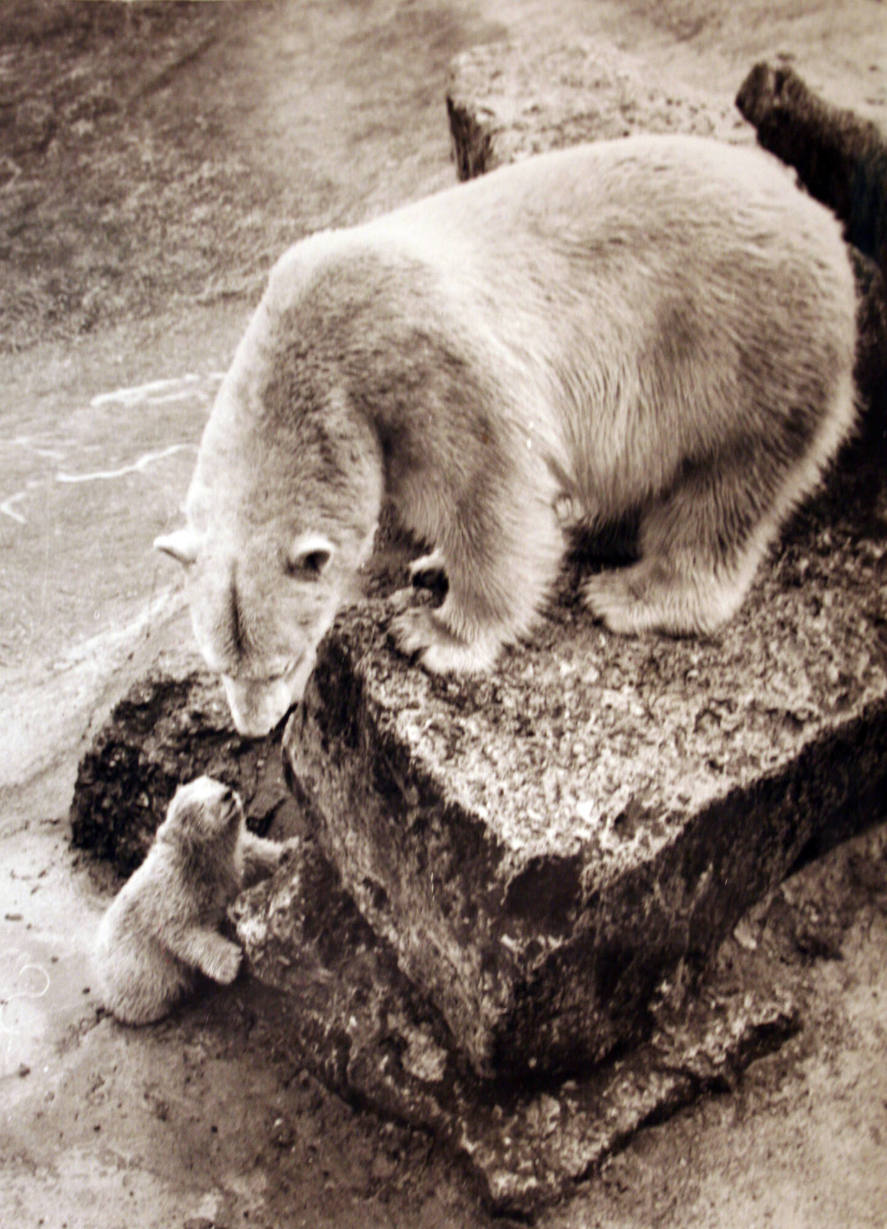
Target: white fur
{"type": "Point", "coordinates": [162, 927]}
{"type": "Point", "coordinates": [662, 326]}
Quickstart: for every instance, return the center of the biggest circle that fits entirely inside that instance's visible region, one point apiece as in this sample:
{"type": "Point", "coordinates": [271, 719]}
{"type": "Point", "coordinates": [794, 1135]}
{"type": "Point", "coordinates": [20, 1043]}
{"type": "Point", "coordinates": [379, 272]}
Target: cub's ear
{"type": "Point", "coordinates": [309, 555]}
{"type": "Point", "coordinates": [182, 544]}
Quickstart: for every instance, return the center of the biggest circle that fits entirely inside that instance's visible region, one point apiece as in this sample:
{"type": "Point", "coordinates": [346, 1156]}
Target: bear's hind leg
{"type": "Point", "coordinates": [140, 981]}
{"type": "Point", "coordinates": [651, 596]}
{"type": "Point", "coordinates": [701, 542]}
{"type": "Point", "coordinates": [700, 546]}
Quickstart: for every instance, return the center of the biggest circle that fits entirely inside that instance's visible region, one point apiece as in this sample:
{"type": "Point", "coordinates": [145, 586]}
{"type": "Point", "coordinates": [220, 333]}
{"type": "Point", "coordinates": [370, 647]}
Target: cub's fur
{"type": "Point", "coordinates": [661, 326]}
{"type": "Point", "coordinates": [162, 925]}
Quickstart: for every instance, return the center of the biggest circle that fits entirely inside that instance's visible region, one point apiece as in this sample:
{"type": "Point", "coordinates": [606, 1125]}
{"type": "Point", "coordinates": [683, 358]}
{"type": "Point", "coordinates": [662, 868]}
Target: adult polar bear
{"type": "Point", "coordinates": [661, 325]}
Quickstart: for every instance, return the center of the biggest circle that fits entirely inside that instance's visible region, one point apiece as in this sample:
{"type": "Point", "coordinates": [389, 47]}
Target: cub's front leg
{"type": "Point", "coordinates": [208, 951]}
{"type": "Point", "coordinates": [261, 857]}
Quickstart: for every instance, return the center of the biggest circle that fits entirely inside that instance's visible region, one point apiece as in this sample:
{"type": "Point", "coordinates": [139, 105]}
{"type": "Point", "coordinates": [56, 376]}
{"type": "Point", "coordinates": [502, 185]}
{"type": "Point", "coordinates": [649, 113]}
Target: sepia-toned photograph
{"type": "Point", "coordinates": [443, 614]}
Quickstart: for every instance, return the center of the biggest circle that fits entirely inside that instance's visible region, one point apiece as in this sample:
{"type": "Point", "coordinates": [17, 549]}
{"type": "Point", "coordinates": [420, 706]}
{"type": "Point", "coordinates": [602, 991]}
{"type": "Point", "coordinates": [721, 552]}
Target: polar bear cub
{"type": "Point", "coordinates": [162, 927]}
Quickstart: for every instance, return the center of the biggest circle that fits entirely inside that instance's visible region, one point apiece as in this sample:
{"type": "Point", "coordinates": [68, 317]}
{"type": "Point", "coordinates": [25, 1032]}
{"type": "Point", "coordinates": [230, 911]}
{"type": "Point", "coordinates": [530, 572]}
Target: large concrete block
{"type": "Point", "coordinates": [332, 995]}
{"type": "Point", "coordinates": [540, 847]}
{"type": "Point", "coordinates": [506, 101]}
{"type": "Point", "coordinates": [329, 991]}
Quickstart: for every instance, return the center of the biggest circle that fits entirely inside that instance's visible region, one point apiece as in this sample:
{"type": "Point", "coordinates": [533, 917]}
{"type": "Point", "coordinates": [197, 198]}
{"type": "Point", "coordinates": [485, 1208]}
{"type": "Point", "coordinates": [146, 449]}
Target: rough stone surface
{"type": "Point", "coordinates": [840, 157]}
{"type": "Point", "coordinates": [506, 101]}
{"type": "Point", "coordinates": [171, 726]}
{"type": "Point", "coordinates": [347, 1011]}
{"type": "Point", "coordinates": [541, 845]}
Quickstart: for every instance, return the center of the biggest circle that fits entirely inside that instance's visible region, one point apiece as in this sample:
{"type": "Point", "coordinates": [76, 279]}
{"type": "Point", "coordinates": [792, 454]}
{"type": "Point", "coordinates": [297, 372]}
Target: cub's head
{"type": "Point", "coordinates": [205, 812]}
{"type": "Point", "coordinates": [281, 513]}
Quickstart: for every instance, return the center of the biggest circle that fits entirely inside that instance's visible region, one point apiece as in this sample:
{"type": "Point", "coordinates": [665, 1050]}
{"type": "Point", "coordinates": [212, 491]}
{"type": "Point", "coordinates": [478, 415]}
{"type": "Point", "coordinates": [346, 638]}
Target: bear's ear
{"type": "Point", "coordinates": [182, 544]}
{"type": "Point", "coordinates": [309, 555]}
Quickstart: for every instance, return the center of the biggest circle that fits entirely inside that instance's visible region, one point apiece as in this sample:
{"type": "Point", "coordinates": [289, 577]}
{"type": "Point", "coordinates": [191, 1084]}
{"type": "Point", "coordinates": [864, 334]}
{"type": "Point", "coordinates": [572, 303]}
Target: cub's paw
{"type": "Point", "coordinates": [261, 857]}
{"type": "Point", "coordinates": [423, 632]}
{"type": "Point", "coordinates": [226, 964]}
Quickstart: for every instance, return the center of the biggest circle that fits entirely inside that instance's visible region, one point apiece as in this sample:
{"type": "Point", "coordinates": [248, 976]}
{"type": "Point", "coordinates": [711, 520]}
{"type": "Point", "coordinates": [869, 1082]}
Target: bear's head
{"type": "Point", "coordinates": [265, 575]}
{"type": "Point", "coordinates": [281, 512]}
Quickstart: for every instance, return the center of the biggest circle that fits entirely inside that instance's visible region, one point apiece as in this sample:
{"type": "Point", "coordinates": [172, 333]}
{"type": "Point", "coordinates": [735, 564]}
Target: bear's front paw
{"type": "Point", "coordinates": [423, 632]}
{"type": "Point", "coordinates": [413, 630]}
